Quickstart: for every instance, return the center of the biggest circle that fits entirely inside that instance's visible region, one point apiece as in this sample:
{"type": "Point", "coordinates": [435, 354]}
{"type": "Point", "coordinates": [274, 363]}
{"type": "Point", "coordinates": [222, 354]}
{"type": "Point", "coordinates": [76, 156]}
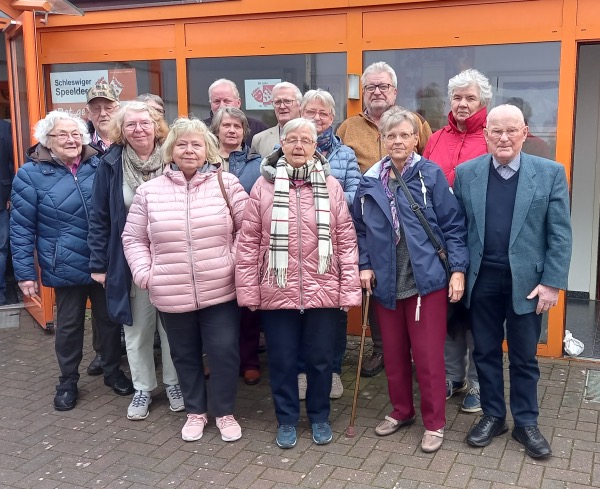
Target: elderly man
{"type": "Point", "coordinates": [102, 104]}
{"type": "Point", "coordinates": [519, 239]}
{"type": "Point", "coordinates": [361, 133]}
{"type": "Point", "coordinates": [286, 103]}
{"type": "Point", "coordinates": [224, 93]}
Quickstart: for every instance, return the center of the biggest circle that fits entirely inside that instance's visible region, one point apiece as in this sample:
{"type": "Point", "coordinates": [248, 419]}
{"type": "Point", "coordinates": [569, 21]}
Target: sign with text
{"type": "Point", "coordinates": [259, 94]}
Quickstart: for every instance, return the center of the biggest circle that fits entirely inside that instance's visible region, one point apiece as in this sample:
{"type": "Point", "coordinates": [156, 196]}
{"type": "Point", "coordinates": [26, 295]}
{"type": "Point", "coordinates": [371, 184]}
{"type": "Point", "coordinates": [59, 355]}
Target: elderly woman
{"type": "Point", "coordinates": [319, 107]}
{"type": "Point", "coordinates": [51, 204]}
{"type": "Point", "coordinates": [180, 241]}
{"type": "Point", "coordinates": [230, 125]}
{"type": "Point", "coordinates": [399, 266]}
{"type": "Point", "coordinates": [462, 139]}
{"type": "Point", "coordinates": [134, 157]}
{"type": "Point", "coordinates": [297, 262]}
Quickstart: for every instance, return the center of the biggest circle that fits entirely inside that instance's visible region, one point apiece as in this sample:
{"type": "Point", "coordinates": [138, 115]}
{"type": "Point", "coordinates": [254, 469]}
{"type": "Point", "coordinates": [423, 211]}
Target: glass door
{"type": "Point", "coordinates": [25, 107]}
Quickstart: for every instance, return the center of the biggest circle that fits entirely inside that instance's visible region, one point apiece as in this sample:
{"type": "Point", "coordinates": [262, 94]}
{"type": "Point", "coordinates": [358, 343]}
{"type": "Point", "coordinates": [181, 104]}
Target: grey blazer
{"type": "Point", "coordinates": [264, 142]}
{"type": "Point", "coordinates": [540, 238]}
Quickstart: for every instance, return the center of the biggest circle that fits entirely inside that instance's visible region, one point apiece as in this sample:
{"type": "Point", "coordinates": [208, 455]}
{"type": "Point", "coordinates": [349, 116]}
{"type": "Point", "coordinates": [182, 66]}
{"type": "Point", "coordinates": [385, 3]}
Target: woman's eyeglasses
{"type": "Point", "coordinates": [64, 136]}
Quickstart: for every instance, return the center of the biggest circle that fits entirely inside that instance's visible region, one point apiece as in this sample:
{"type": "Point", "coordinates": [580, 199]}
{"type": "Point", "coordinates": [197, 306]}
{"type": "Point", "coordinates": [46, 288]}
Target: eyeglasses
{"type": "Point", "coordinates": [383, 87]}
{"type": "Point", "coordinates": [97, 109]}
{"type": "Point", "coordinates": [311, 114]}
{"type": "Point", "coordinates": [64, 136]}
{"type": "Point", "coordinates": [295, 141]}
{"type": "Point", "coordinates": [283, 101]}
{"type": "Point", "coordinates": [144, 125]}
{"type": "Point", "coordinates": [497, 133]}
{"type": "Point", "coordinates": [404, 136]}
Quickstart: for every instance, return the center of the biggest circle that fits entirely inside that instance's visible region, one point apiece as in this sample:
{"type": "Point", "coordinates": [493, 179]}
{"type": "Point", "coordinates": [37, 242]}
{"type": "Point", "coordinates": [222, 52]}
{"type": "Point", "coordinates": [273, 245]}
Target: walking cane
{"type": "Point", "coordinates": [365, 319]}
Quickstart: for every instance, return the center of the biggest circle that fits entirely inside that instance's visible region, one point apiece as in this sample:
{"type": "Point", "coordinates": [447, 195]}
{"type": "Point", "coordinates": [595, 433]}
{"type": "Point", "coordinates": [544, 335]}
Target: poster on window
{"type": "Point", "coordinates": [259, 94]}
{"type": "Point", "coordinates": [69, 89]}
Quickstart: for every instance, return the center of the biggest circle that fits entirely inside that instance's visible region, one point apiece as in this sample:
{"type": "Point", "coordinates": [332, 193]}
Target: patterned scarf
{"type": "Point", "coordinates": [325, 141]}
{"type": "Point", "coordinates": [384, 176]}
{"type": "Point", "coordinates": [137, 171]}
{"type": "Point", "coordinates": [313, 173]}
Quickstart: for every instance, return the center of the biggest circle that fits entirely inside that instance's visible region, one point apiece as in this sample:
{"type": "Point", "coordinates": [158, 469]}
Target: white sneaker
{"type": "Point", "coordinates": [175, 397]}
{"type": "Point", "coordinates": [302, 384]}
{"type": "Point", "coordinates": [337, 389]}
{"type": "Point", "coordinates": [139, 407]}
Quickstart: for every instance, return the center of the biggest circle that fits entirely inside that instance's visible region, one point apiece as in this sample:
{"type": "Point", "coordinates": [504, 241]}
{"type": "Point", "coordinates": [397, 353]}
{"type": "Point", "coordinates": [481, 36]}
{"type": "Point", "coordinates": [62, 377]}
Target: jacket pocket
{"type": "Point", "coordinates": [539, 202]}
{"type": "Point", "coordinates": [539, 266]}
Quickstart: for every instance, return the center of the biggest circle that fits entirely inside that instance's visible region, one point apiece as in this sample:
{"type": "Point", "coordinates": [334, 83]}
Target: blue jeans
{"type": "Point", "coordinates": [4, 233]}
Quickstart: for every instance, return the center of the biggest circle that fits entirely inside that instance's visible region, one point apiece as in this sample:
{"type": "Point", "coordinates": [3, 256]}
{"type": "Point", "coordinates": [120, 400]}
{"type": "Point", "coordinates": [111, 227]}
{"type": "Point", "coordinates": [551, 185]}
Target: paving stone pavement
{"type": "Point", "coordinates": [95, 446]}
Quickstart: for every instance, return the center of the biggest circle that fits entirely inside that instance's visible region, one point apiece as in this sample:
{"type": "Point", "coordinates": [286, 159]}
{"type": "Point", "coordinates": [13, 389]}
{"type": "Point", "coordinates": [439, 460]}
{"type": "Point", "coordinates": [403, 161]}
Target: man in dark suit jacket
{"type": "Point", "coordinates": [6, 176]}
{"type": "Point", "coordinates": [519, 239]}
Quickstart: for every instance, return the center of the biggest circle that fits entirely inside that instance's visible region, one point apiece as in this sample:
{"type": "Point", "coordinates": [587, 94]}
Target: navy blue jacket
{"type": "Point", "coordinates": [107, 221]}
{"type": "Point", "coordinates": [50, 212]}
{"type": "Point", "coordinates": [7, 169]}
{"type": "Point", "coordinates": [376, 239]}
{"type": "Point", "coordinates": [245, 165]}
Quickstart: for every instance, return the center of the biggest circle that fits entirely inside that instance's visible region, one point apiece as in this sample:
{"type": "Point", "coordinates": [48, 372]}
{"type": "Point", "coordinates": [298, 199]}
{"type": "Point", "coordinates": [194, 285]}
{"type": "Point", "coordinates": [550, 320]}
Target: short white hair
{"type": "Point", "coordinates": [379, 67]}
{"type": "Point", "coordinates": [296, 124]}
{"type": "Point", "coordinates": [511, 109]}
{"type": "Point", "coordinates": [470, 77]}
{"type": "Point", "coordinates": [46, 125]}
{"type": "Point", "coordinates": [291, 86]}
{"type": "Point", "coordinates": [223, 81]}
{"type": "Point", "coordinates": [320, 95]}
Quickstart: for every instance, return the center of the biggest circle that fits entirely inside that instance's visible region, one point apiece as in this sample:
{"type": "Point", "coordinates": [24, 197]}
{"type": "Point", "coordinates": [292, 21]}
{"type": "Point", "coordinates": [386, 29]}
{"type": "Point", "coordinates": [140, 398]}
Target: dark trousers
{"type": "Point", "coordinates": [290, 335]}
{"type": "Point", "coordinates": [214, 329]}
{"type": "Point", "coordinates": [491, 305]}
{"type": "Point", "coordinates": [249, 336]}
{"type": "Point", "coordinates": [68, 342]}
{"type": "Point", "coordinates": [423, 340]}
{"type": "Point", "coordinates": [339, 344]}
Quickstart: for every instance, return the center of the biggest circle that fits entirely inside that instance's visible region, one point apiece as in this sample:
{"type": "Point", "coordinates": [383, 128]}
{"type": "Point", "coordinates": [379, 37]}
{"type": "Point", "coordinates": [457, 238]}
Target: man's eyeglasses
{"type": "Point", "coordinates": [283, 101]}
{"type": "Point", "coordinates": [295, 141]}
{"type": "Point", "coordinates": [392, 136]}
{"type": "Point", "coordinates": [311, 114]}
{"type": "Point", "coordinates": [97, 109]}
{"type": "Point", "coordinates": [131, 126]}
{"type": "Point", "coordinates": [383, 87]}
{"type": "Point", "coordinates": [64, 136]}
{"type": "Point", "coordinates": [497, 133]}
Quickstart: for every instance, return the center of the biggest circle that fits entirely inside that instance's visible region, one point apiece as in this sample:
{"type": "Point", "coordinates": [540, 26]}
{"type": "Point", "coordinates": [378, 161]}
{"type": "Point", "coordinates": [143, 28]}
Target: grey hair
{"type": "Point", "coordinates": [223, 81]}
{"type": "Point", "coordinates": [291, 86]}
{"type": "Point", "coordinates": [46, 125]}
{"type": "Point", "coordinates": [379, 67]}
{"type": "Point", "coordinates": [296, 124]}
{"type": "Point", "coordinates": [183, 126]}
{"type": "Point", "coordinates": [471, 77]}
{"type": "Point", "coordinates": [394, 116]}
{"type": "Point", "coordinates": [320, 95]}
{"type": "Point", "coordinates": [232, 112]}
{"type": "Point", "coordinates": [144, 97]}
{"type": "Point", "coordinates": [512, 109]}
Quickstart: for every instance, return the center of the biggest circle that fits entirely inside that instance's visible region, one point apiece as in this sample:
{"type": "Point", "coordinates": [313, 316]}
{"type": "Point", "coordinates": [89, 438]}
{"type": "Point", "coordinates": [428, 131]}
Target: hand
{"type": "Point", "coordinates": [100, 278]}
{"type": "Point", "coordinates": [29, 289]}
{"type": "Point", "coordinates": [456, 287]}
{"type": "Point", "coordinates": [253, 308]}
{"type": "Point", "coordinates": [367, 280]}
{"type": "Point", "coordinates": [547, 297]}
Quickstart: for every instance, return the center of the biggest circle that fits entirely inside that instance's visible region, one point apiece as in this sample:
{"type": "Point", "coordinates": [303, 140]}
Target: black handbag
{"type": "Point", "coordinates": [439, 249]}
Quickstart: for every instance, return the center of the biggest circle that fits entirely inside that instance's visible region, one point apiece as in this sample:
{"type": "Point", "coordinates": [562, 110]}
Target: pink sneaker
{"type": "Point", "coordinates": [230, 429]}
{"type": "Point", "coordinates": [193, 429]}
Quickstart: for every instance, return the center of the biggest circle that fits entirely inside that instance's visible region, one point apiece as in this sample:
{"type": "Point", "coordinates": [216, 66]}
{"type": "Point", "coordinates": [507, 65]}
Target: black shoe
{"type": "Point", "coordinates": [95, 367]}
{"type": "Point", "coordinates": [65, 400]}
{"type": "Point", "coordinates": [536, 446]}
{"type": "Point", "coordinates": [485, 430]}
{"type": "Point", "coordinates": [372, 365]}
{"type": "Point", "coordinates": [119, 383]}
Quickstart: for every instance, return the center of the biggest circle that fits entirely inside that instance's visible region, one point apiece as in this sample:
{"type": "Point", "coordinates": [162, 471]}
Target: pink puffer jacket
{"type": "Point", "coordinates": [179, 242]}
{"type": "Point", "coordinates": [306, 289]}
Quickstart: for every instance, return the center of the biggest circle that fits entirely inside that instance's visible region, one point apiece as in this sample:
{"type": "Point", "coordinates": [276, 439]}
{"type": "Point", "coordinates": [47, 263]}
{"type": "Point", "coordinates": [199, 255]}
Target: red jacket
{"type": "Point", "coordinates": [450, 147]}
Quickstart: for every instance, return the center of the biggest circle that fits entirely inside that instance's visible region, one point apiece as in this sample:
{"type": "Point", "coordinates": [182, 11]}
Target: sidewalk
{"type": "Point", "coordinates": [95, 446]}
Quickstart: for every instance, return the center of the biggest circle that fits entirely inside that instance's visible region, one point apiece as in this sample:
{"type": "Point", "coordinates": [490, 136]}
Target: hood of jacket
{"type": "Point", "coordinates": [269, 163]}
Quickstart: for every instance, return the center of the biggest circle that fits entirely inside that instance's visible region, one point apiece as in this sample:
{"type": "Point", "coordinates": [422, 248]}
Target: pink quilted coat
{"type": "Point", "coordinates": [179, 242]}
{"type": "Point", "coordinates": [306, 289]}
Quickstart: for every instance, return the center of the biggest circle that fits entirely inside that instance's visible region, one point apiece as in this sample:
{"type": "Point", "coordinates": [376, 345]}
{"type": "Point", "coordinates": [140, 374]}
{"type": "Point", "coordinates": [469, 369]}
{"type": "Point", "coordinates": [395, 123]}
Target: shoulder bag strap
{"type": "Point", "coordinates": [222, 185]}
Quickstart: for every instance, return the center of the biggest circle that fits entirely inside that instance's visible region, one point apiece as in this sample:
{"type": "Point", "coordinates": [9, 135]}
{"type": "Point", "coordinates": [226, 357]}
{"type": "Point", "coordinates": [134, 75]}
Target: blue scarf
{"type": "Point", "coordinates": [325, 141]}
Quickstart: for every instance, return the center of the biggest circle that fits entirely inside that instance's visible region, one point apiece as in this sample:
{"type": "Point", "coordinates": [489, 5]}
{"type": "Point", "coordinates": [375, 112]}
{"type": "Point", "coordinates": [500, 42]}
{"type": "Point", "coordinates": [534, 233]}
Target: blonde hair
{"type": "Point", "coordinates": [116, 133]}
{"type": "Point", "coordinates": [182, 126]}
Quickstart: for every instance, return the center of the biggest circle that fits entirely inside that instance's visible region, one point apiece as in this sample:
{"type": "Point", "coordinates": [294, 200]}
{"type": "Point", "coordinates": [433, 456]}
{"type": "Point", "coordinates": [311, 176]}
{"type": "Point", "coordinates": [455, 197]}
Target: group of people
{"type": "Point", "coordinates": [210, 233]}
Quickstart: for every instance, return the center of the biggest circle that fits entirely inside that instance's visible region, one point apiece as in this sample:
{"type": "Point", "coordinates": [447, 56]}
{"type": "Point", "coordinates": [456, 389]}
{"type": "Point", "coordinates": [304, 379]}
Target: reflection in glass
{"type": "Point", "coordinates": [20, 88]}
{"type": "Point", "coordinates": [525, 75]}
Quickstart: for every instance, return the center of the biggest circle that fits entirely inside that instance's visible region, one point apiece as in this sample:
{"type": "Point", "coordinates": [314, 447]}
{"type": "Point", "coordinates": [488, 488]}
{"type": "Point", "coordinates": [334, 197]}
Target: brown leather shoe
{"type": "Point", "coordinates": [251, 377]}
{"type": "Point", "coordinates": [372, 365]}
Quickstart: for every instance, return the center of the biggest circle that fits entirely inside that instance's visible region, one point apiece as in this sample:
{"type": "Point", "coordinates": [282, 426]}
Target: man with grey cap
{"type": "Point", "coordinates": [102, 104]}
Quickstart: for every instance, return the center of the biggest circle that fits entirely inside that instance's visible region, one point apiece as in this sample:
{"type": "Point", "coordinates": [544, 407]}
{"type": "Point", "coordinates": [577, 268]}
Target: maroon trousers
{"type": "Point", "coordinates": [401, 335]}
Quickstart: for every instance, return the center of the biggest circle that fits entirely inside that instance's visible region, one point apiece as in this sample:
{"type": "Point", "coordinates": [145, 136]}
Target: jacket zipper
{"type": "Point", "coordinates": [87, 214]}
{"type": "Point", "coordinates": [189, 241]}
{"type": "Point", "coordinates": [299, 249]}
